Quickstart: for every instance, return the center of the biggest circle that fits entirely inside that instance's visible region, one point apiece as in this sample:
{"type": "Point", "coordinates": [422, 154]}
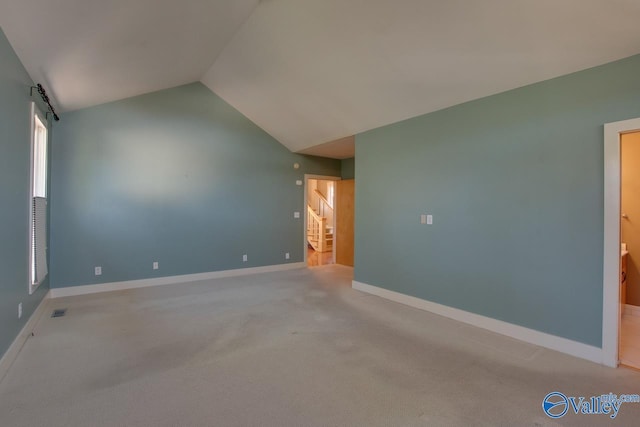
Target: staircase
{"type": "Point", "coordinates": [319, 231]}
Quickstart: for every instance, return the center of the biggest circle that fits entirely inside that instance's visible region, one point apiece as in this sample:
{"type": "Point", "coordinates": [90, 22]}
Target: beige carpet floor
{"type": "Point", "coordinates": [295, 348]}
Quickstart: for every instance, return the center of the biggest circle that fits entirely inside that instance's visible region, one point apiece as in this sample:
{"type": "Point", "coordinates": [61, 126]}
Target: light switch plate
{"type": "Point", "coordinates": [298, 182]}
{"type": "Point", "coordinates": [429, 219]}
{"type": "Point", "coordinates": [296, 214]}
{"type": "Point", "coordinates": [423, 219]}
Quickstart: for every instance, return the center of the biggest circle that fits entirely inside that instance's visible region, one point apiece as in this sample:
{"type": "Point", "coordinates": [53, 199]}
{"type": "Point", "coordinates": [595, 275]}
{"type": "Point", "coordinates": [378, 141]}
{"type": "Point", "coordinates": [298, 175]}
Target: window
{"type": "Point", "coordinates": [38, 201]}
{"type": "Point", "coordinates": [39, 158]}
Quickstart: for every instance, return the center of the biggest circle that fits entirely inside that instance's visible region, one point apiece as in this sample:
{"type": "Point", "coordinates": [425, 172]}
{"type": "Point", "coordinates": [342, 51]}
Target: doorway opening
{"type": "Point", "coordinates": [615, 262]}
{"type": "Point", "coordinates": [629, 346]}
{"type": "Point", "coordinates": [320, 224]}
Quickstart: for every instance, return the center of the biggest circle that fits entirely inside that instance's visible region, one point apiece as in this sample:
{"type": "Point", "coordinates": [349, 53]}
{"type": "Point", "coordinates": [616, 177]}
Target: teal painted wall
{"type": "Point", "coordinates": [348, 168]}
{"type": "Point", "coordinates": [176, 176]}
{"type": "Point", "coordinates": [515, 184]}
{"type": "Point", "coordinates": [15, 171]}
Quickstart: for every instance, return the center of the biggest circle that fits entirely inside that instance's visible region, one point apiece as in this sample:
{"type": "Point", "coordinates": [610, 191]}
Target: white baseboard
{"type": "Point", "coordinates": [631, 310]}
{"type": "Point", "coordinates": [25, 332]}
{"type": "Point", "coordinates": [168, 280]}
{"type": "Point", "coordinates": [564, 345]}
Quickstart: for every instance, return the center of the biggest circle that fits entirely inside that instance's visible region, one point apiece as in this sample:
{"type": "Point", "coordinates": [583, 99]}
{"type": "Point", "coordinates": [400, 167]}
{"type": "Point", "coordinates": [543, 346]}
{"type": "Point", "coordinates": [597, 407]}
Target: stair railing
{"type": "Point", "coordinates": [316, 229]}
{"type": "Point", "coordinates": [323, 204]}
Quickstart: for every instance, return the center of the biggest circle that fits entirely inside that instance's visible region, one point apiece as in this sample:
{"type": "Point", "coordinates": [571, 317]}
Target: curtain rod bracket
{"type": "Point", "coordinates": [45, 98]}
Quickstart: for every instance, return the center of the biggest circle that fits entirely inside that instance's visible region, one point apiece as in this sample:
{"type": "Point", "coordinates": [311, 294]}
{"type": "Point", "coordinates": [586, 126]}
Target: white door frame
{"type": "Point", "coordinates": [611, 309]}
{"type": "Point", "coordinates": [307, 177]}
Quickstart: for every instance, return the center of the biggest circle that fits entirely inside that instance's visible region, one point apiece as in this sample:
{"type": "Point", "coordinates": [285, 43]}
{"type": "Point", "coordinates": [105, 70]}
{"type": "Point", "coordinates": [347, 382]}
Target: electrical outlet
{"type": "Point", "coordinates": [244, 258]}
{"type": "Point", "coordinates": [298, 182]}
{"type": "Point", "coordinates": [296, 214]}
{"type": "Point", "coordinates": [423, 219]}
{"type": "Point", "coordinates": [98, 271]}
{"type": "Point", "coordinates": [429, 219]}
{"type": "Point", "coordinates": [20, 311]}
{"type": "Point", "coordinates": [286, 256]}
{"type": "Point", "coordinates": [155, 265]}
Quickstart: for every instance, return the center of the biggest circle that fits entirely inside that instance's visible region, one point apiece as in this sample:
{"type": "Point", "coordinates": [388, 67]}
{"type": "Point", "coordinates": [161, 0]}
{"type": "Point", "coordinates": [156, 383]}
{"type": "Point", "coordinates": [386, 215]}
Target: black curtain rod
{"type": "Point", "coordinates": [45, 98]}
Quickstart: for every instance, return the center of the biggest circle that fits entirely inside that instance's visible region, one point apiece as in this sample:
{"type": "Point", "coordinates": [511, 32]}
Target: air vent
{"type": "Point", "coordinates": [59, 312]}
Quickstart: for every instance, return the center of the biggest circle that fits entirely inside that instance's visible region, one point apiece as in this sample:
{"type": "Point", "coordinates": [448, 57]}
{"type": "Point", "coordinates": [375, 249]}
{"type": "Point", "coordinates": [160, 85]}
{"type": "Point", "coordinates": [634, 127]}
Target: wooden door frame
{"type": "Point", "coordinates": [307, 177]}
{"type": "Point", "coordinates": [611, 309]}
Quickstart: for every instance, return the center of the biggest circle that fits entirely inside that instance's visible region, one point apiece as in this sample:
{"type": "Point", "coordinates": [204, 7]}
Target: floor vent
{"type": "Point", "coordinates": [59, 312]}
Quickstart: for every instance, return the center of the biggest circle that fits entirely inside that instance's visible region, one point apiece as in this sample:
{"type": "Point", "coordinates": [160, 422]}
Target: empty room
{"type": "Point", "coordinates": [319, 213]}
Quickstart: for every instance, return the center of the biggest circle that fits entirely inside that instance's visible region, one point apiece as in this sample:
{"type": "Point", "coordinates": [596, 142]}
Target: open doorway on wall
{"type": "Point", "coordinates": [629, 348]}
{"type": "Point", "coordinates": [320, 220]}
{"type": "Point", "coordinates": [616, 292]}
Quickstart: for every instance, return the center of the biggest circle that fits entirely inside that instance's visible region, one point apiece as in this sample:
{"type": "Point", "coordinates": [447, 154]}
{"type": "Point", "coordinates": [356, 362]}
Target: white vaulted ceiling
{"type": "Point", "coordinates": [87, 52]}
{"type": "Point", "coordinates": [313, 71]}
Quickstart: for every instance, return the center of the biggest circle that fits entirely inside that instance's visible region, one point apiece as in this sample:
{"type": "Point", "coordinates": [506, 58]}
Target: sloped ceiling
{"type": "Point", "coordinates": [313, 71]}
{"type": "Point", "coordinates": [88, 52]}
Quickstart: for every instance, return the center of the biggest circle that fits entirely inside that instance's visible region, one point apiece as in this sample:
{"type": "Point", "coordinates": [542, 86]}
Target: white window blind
{"type": "Point", "coordinates": [39, 268]}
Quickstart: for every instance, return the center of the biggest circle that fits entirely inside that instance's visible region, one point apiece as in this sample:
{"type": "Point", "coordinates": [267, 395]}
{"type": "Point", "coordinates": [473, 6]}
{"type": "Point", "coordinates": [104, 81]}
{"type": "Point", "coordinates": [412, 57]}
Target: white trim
{"type": "Point", "coordinates": [574, 348]}
{"type": "Point", "coordinates": [17, 344]}
{"type": "Point", "coordinates": [611, 252]}
{"type": "Point", "coordinates": [307, 177]}
{"type": "Point", "coordinates": [168, 280]}
{"type": "Point", "coordinates": [631, 310]}
{"type": "Point", "coordinates": [32, 113]}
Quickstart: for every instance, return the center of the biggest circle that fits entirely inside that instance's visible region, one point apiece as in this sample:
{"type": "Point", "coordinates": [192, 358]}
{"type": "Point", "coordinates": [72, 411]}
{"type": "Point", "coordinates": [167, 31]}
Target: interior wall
{"type": "Point", "coordinates": [514, 182]}
{"type": "Point", "coordinates": [348, 167]}
{"type": "Point", "coordinates": [312, 197]}
{"type": "Point", "coordinates": [630, 206]}
{"type": "Point", "coordinates": [176, 176]}
{"type": "Point", "coordinates": [323, 188]}
{"type": "Point", "coordinates": [15, 172]}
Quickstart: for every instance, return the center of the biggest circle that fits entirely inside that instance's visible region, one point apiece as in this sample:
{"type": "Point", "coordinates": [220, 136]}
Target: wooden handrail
{"type": "Point", "coordinates": [324, 199]}
{"type": "Point", "coordinates": [317, 228]}
{"type": "Point", "coordinates": [313, 213]}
